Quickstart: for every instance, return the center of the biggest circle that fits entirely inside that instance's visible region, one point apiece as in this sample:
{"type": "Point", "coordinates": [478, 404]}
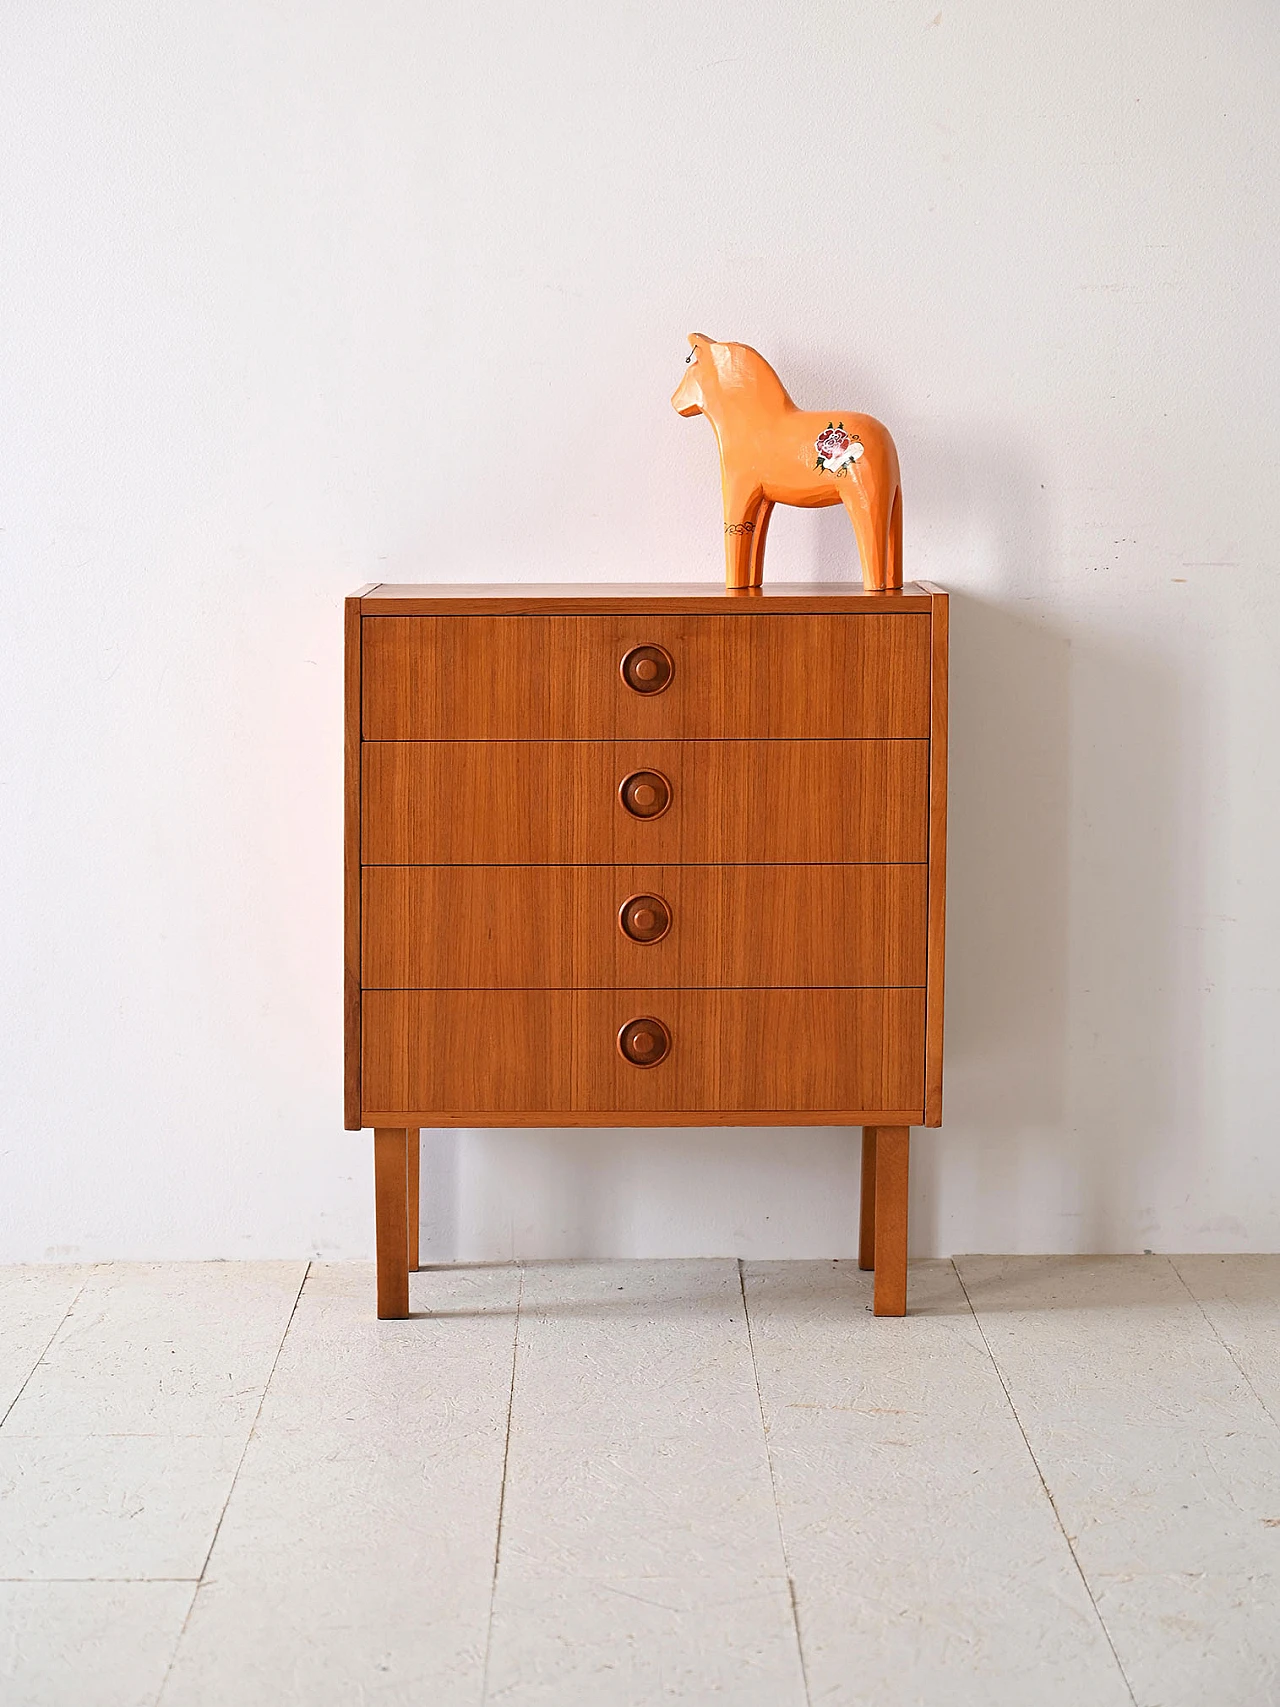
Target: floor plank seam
{"type": "Point", "coordinates": [99, 1580]}
{"type": "Point", "coordinates": [235, 1477]}
{"type": "Point", "coordinates": [1053, 1504]}
{"type": "Point", "coordinates": [502, 1495]}
{"type": "Point", "coordinates": [773, 1485]}
{"type": "Point", "coordinates": [62, 1321]}
{"type": "Point", "coordinates": [1266, 1409]}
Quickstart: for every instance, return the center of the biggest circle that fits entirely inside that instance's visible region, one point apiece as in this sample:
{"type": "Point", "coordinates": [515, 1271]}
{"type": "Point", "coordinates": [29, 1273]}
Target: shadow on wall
{"type": "Point", "coordinates": [1135, 1063]}
{"type": "Point", "coordinates": [549, 1193]}
{"type": "Point", "coordinates": [1072, 1059]}
{"type": "Point", "coordinates": [1007, 916]}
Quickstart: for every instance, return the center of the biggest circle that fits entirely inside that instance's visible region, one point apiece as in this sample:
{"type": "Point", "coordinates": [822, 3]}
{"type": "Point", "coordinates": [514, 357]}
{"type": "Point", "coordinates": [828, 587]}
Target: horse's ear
{"type": "Point", "coordinates": [696, 338]}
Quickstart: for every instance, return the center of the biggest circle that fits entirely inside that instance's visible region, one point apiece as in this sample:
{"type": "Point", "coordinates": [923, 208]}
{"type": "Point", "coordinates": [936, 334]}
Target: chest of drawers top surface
{"type": "Point", "coordinates": [525, 763]}
{"type": "Point", "coordinates": [414, 598]}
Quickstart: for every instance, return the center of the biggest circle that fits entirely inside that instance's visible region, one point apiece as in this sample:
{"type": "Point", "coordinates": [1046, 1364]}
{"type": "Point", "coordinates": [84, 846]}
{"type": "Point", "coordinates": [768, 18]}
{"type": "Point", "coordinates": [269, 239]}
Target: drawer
{"type": "Point", "coordinates": [545, 678]}
{"type": "Point", "coordinates": [559, 927]}
{"type": "Point", "coordinates": [558, 802]}
{"type": "Point", "coordinates": [515, 1052]}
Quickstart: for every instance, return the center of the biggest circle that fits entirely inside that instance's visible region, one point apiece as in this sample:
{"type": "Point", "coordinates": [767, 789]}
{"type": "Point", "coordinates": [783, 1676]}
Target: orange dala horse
{"type": "Point", "coordinates": [773, 453]}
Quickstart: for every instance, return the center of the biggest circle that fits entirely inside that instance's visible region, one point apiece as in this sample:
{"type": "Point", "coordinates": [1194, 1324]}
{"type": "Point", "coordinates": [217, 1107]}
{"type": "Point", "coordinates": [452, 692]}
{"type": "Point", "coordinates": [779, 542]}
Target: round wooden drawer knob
{"type": "Point", "coordinates": [645, 918]}
{"type": "Point", "coordinates": [645, 794]}
{"type": "Point", "coordinates": [647, 669]}
{"type": "Point", "coordinates": [644, 1042]}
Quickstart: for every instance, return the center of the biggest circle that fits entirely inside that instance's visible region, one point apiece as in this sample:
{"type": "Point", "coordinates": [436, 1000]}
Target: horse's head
{"type": "Point", "coordinates": [712, 370]}
{"type": "Point", "coordinates": [689, 398]}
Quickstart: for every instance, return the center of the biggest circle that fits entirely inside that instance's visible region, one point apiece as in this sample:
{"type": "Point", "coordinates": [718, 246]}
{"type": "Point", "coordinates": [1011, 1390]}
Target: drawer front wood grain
{"type": "Point", "coordinates": [554, 802]}
{"type": "Point", "coordinates": [546, 678]}
{"type": "Point", "coordinates": [557, 927]}
{"type": "Point", "coordinates": [747, 1051]}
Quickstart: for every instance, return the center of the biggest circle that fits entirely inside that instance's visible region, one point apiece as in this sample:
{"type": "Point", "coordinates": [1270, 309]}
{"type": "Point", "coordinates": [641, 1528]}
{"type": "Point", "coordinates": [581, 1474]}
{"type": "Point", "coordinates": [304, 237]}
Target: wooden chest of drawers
{"type": "Point", "coordinates": [622, 856]}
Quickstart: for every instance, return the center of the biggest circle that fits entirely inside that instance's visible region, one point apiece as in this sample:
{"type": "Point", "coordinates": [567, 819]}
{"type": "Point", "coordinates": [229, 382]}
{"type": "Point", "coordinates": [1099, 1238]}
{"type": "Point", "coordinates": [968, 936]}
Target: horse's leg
{"type": "Point", "coordinates": [871, 530]}
{"type": "Point", "coordinates": [895, 540]}
{"type": "Point", "coordinates": [755, 567]}
{"type": "Point", "coordinates": [740, 507]}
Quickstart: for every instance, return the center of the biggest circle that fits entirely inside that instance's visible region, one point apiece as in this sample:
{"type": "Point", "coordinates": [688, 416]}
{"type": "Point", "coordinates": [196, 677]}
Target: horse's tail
{"type": "Point", "coordinates": [886, 521]}
{"type": "Point", "coordinates": [893, 569]}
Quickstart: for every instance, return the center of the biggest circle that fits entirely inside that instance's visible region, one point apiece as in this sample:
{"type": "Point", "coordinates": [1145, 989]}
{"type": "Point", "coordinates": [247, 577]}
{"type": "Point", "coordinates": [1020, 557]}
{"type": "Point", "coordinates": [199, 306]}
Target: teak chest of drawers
{"type": "Point", "coordinates": [628, 856]}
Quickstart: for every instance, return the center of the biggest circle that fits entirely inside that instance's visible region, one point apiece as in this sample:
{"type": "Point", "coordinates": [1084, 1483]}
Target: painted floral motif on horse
{"type": "Point", "coordinates": [837, 450]}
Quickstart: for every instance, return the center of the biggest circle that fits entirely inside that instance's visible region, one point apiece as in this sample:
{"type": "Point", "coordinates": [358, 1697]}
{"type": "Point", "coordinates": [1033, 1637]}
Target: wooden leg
{"type": "Point", "coordinates": [413, 1188]}
{"type": "Point", "coordinates": [755, 564]}
{"type": "Point", "coordinates": [892, 1144]}
{"type": "Point", "coordinates": [740, 507]}
{"type": "Point", "coordinates": [871, 531]}
{"type": "Point", "coordinates": [391, 1208]}
{"type": "Point", "coordinates": [895, 540]}
{"type": "Point", "coordinates": [867, 1206]}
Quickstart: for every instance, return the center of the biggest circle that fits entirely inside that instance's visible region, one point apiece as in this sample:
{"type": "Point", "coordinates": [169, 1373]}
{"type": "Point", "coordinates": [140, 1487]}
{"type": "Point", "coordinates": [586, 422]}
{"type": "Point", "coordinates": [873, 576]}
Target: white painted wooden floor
{"type": "Point", "coordinates": [1055, 1484]}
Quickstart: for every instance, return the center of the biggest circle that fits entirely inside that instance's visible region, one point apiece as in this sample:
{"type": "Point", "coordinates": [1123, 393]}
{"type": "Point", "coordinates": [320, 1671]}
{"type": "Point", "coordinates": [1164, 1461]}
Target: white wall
{"type": "Point", "coordinates": [296, 295]}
